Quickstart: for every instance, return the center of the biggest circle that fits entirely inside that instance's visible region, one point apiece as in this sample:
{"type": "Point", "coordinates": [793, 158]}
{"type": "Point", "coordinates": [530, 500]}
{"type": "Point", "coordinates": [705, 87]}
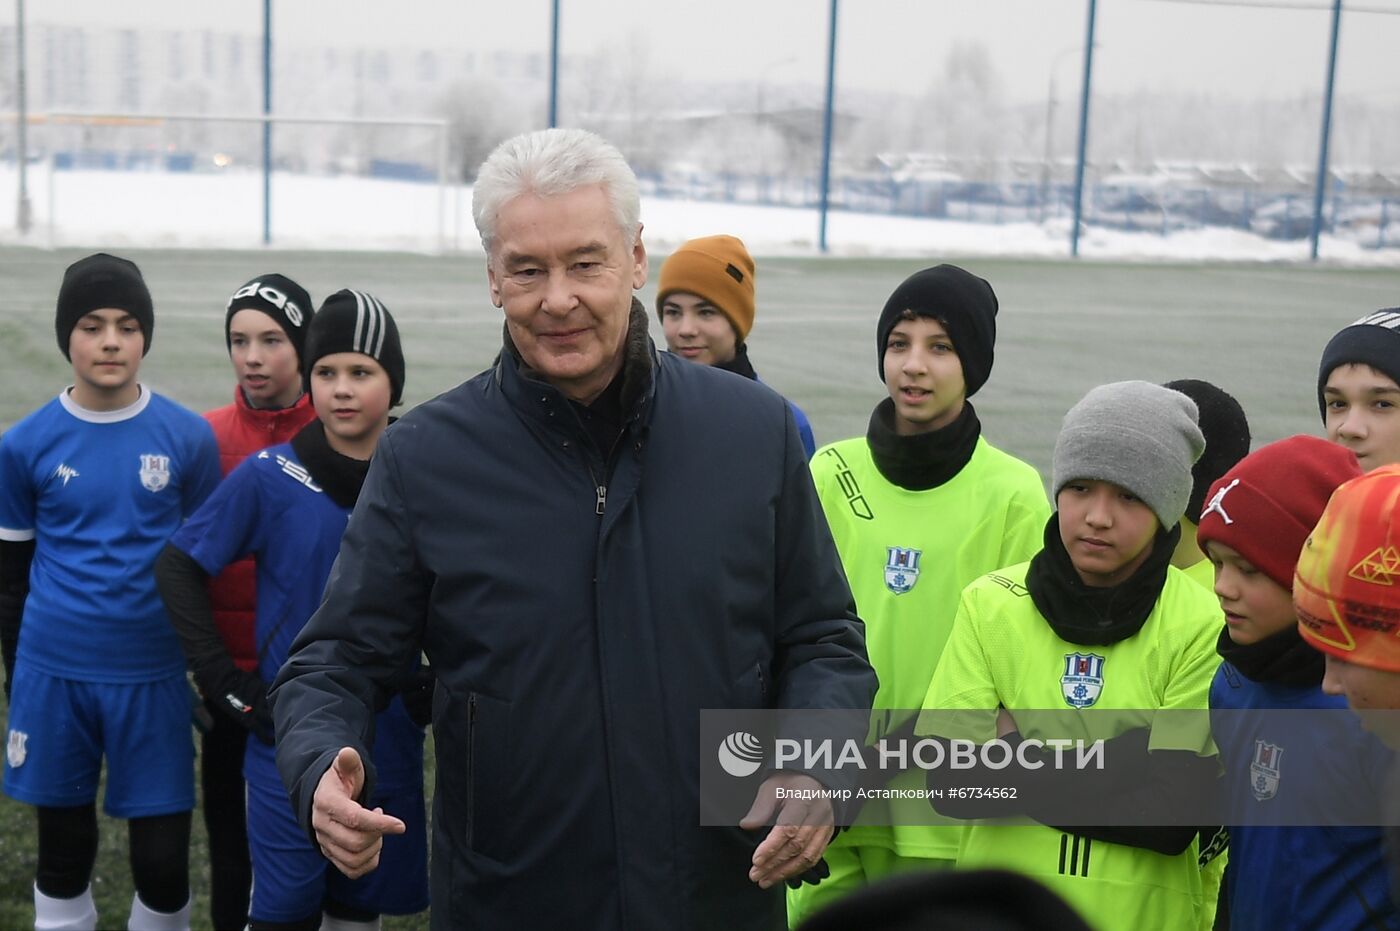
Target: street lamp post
{"type": "Point", "coordinates": [1045, 172]}
{"type": "Point", "coordinates": [553, 115]}
{"type": "Point", "coordinates": [1083, 148]}
{"type": "Point", "coordinates": [23, 212]}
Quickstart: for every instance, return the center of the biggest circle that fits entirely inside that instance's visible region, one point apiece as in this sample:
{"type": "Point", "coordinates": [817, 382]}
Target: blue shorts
{"type": "Point", "coordinates": [291, 879]}
{"type": "Point", "coordinates": [60, 729]}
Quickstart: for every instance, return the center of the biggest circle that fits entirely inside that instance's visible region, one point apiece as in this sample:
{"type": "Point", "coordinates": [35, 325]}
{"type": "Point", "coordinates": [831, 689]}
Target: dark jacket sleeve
{"type": "Point", "coordinates": [15, 559]}
{"type": "Point", "coordinates": [1137, 790]}
{"type": "Point", "coordinates": [239, 695]}
{"type": "Point", "coordinates": [1177, 780]}
{"type": "Point", "coordinates": [819, 654]}
{"type": "Point", "coordinates": [350, 653]}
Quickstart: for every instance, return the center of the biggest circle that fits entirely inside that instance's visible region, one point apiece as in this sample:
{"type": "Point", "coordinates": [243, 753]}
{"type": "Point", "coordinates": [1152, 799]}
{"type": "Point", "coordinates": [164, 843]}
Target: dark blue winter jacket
{"type": "Point", "coordinates": [579, 614]}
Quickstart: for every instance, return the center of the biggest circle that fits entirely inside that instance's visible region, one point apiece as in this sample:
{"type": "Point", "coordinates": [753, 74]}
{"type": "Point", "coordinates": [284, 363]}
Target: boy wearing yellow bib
{"type": "Point", "coordinates": [1098, 621]}
{"type": "Point", "coordinates": [919, 506]}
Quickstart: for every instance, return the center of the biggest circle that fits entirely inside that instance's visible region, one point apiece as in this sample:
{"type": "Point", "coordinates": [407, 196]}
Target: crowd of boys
{"type": "Point", "coordinates": [140, 544]}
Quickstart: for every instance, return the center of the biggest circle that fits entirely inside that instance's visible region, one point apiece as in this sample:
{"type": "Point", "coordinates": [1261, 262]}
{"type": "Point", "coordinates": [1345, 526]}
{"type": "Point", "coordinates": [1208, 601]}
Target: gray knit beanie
{"type": "Point", "coordinates": [1135, 434]}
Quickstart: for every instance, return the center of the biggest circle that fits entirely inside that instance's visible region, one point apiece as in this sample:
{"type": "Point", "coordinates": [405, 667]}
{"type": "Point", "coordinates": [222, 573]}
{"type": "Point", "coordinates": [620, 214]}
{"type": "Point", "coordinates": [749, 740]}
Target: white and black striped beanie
{"type": "Point", "coordinates": [1373, 340]}
{"type": "Point", "coordinates": [356, 321]}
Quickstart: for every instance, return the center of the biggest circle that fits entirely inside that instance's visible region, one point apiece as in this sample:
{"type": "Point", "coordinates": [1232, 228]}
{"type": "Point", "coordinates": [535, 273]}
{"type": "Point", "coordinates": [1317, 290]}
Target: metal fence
{"type": "Point", "coordinates": [1372, 220]}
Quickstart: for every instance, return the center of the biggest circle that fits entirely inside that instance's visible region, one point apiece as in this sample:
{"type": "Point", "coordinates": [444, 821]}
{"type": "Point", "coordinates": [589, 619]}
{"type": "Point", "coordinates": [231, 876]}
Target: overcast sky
{"type": "Point", "coordinates": [1170, 44]}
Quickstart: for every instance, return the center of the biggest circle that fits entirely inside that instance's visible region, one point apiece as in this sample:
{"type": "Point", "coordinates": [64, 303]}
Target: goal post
{"type": "Point", "coordinates": [407, 150]}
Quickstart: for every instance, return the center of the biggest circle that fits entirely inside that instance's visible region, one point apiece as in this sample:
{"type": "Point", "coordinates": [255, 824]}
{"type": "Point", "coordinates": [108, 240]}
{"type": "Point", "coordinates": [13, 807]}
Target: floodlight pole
{"type": "Point", "coordinates": [554, 66]}
{"type": "Point", "coordinates": [267, 124]}
{"type": "Point", "coordinates": [1321, 187]}
{"type": "Point", "coordinates": [1083, 131]}
{"type": "Point", "coordinates": [23, 213]}
{"type": "Point", "coordinates": [826, 127]}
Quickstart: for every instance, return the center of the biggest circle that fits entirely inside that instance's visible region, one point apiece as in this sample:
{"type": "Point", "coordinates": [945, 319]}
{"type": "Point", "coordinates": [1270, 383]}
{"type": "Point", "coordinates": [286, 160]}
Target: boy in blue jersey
{"type": "Point", "coordinates": [287, 507]}
{"type": "Point", "coordinates": [91, 486]}
{"type": "Point", "coordinates": [1252, 529]}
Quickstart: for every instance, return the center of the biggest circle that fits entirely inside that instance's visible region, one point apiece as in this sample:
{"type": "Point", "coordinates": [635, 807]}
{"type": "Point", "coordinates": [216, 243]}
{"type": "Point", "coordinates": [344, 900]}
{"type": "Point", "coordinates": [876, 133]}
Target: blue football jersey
{"type": "Point", "coordinates": [270, 508]}
{"type": "Point", "coordinates": [1282, 878]}
{"type": "Point", "coordinates": [100, 493]}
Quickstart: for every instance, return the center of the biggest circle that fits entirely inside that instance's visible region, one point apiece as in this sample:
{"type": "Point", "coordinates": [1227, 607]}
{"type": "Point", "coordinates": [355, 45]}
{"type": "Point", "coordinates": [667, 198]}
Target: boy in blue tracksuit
{"type": "Point", "coordinates": [1256, 518]}
{"type": "Point", "coordinates": [92, 484]}
{"type": "Point", "coordinates": [288, 506]}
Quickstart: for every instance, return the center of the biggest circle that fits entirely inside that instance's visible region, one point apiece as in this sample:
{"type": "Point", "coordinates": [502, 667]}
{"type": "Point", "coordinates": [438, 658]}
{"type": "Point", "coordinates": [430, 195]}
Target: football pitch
{"type": "Point", "coordinates": [1256, 330]}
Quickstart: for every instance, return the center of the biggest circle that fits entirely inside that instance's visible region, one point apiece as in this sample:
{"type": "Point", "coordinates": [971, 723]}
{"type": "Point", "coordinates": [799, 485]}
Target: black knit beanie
{"type": "Point", "coordinates": [280, 298]}
{"type": "Point", "coordinates": [97, 282]}
{"type": "Point", "coordinates": [1373, 340]}
{"type": "Point", "coordinates": [966, 304]}
{"type": "Point", "coordinates": [1226, 430]}
{"type": "Point", "coordinates": [355, 321]}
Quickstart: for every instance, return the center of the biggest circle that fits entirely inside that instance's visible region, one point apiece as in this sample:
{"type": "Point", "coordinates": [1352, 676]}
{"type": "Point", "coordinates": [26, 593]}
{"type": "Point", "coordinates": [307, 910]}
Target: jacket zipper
{"type": "Point", "coordinates": [600, 490]}
{"type": "Point", "coordinates": [471, 767]}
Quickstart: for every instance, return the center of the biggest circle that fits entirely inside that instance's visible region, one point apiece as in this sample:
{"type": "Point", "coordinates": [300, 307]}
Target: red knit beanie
{"type": "Point", "coordinates": [1347, 592]}
{"type": "Point", "coordinates": [1265, 507]}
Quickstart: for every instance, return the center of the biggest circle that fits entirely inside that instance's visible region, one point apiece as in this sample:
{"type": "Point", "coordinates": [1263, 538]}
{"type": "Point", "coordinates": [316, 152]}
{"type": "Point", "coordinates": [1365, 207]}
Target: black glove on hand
{"type": "Point", "coordinates": [811, 877]}
{"type": "Point", "coordinates": [243, 697]}
{"type": "Point", "coordinates": [417, 694]}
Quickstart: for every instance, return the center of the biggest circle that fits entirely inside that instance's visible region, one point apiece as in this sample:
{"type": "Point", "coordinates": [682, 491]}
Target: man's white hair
{"type": "Point", "coordinates": [551, 162]}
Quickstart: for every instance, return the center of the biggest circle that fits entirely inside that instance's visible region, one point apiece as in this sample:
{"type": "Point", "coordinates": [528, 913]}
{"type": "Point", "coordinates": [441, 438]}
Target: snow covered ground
{"type": "Point", "coordinates": [172, 210]}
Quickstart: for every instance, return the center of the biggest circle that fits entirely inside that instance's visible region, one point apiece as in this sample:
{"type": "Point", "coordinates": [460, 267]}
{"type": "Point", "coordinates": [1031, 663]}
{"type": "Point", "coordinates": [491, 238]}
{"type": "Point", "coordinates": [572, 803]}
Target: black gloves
{"type": "Point", "coordinates": [241, 696]}
{"type": "Point", "coordinates": [811, 877]}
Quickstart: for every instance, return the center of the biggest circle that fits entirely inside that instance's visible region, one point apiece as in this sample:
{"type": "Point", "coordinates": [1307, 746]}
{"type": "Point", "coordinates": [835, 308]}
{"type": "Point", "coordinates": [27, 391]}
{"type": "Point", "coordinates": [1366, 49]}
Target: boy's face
{"type": "Point", "coordinates": [105, 348]}
{"type": "Point", "coordinates": [1255, 606]}
{"type": "Point", "coordinates": [1363, 413]}
{"type": "Point", "coordinates": [1367, 690]}
{"type": "Point", "coordinates": [352, 393]}
{"type": "Point", "coordinates": [264, 359]}
{"type": "Point", "coordinates": [1106, 529]}
{"type": "Point", "coordinates": [697, 330]}
{"type": "Point", "coordinates": [923, 375]}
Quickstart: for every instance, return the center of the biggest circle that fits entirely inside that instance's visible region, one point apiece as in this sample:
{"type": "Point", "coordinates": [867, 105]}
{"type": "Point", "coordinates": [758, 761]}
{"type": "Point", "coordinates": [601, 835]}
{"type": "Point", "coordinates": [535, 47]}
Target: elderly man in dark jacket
{"type": "Point", "coordinates": [591, 542]}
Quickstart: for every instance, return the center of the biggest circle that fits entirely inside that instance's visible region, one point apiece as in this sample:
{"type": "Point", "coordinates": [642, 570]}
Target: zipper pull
{"type": "Point", "coordinates": [602, 499]}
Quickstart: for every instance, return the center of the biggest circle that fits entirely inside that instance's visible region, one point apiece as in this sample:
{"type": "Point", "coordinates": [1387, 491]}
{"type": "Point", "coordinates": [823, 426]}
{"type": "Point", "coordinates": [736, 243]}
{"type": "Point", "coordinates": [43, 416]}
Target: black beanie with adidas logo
{"type": "Point", "coordinates": [356, 321]}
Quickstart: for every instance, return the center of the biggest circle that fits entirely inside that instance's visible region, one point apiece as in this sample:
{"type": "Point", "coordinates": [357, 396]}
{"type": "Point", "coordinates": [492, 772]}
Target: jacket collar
{"type": "Point", "coordinates": [541, 401]}
{"type": "Point", "coordinates": [264, 418]}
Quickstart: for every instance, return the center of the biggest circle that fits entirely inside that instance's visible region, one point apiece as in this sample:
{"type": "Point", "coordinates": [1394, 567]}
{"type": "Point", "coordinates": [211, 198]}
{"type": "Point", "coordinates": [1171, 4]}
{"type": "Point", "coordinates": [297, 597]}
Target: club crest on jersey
{"type": "Point", "coordinates": [902, 569]}
{"type": "Point", "coordinates": [155, 471]}
{"type": "Point", "coordinates": [16, 752]}
{"type": "Point", "coordinates": [1264, 770]}
{"type": "Point", "coordinates": [1083, 679]}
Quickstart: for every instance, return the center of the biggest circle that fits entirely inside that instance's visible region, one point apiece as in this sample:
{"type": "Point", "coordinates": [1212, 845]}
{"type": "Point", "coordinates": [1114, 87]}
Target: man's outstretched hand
{"type": "Point", "coordinates": [351, 836]}
{"type": "Point", "coordinates": [802, 827]}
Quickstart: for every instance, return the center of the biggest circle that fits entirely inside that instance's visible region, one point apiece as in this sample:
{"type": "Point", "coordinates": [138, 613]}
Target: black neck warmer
{"type": "Point", "coordinates": [602, 419]}
{"type": "Point", "coordinates": [740, 364]}
{"type": "Point", "coordinates": [1091, 616]}
{"type": "Point", "coordinates": [339, 476]}
{"type": "Point", "coordinates": [1283, 659]}
{"type": "Point", "coordinates": [925, 460]}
